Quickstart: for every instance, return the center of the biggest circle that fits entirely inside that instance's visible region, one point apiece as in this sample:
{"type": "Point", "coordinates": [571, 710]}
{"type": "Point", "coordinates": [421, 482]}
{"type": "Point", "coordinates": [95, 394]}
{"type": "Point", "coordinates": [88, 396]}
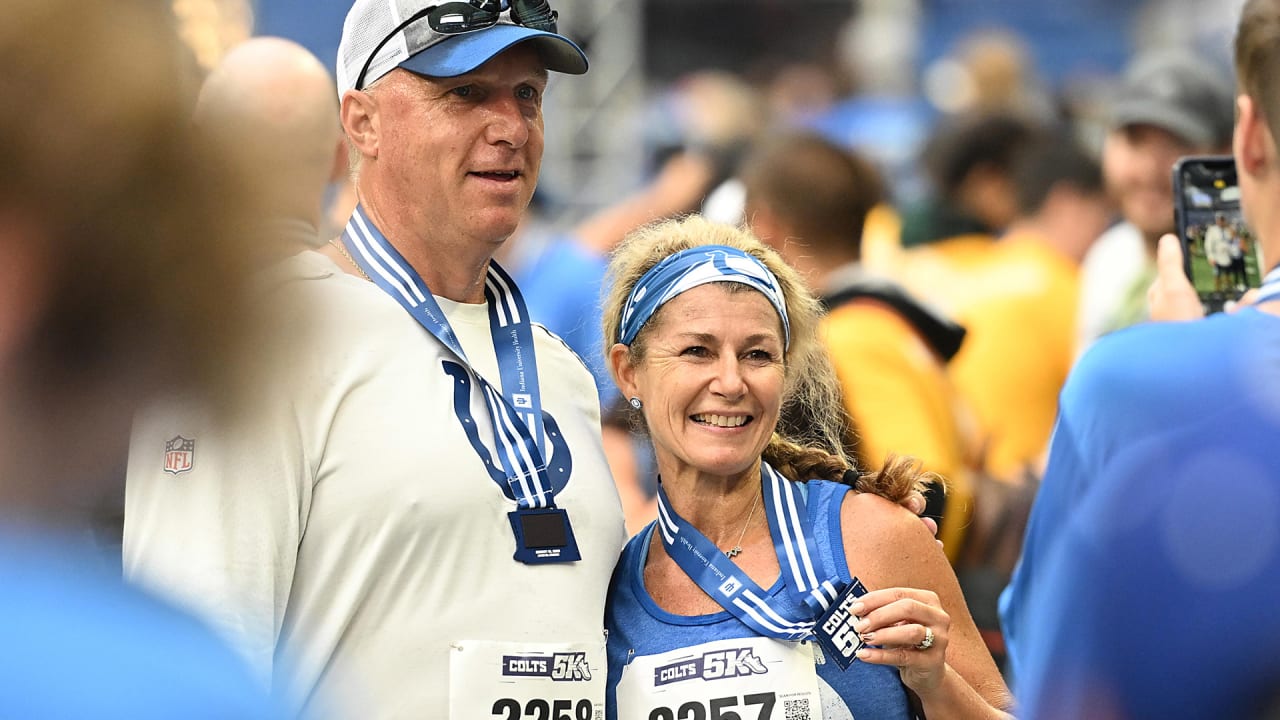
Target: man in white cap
{"type": "Point", "coordinates": [417, 520]}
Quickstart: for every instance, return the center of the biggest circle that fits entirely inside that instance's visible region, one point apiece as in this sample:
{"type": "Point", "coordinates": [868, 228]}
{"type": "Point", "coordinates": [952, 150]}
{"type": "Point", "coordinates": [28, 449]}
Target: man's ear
{"type": "Point", "coordinates": [1252, 141]}
{"type": "Point", "coordinates": [359, 114]}
{"type": "Point", "coordinates": [624, 373]}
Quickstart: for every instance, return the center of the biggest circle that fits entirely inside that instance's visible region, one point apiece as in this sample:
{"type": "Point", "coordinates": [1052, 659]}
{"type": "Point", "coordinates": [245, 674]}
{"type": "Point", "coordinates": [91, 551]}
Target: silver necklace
{"type": "Point", "coordinates": [737, 548]}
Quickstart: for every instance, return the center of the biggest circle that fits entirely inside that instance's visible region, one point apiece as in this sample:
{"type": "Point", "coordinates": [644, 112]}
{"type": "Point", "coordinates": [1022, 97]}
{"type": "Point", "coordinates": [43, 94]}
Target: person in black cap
{"type": "Point", "coordinates": [1170, 104]}
{"type": "Point", "coordinates": [418, 519]}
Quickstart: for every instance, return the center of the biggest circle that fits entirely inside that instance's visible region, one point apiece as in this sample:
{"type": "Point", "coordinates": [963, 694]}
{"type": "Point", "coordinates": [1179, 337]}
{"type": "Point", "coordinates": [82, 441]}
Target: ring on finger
{"type": "Point", "coordinates": [927, 642]}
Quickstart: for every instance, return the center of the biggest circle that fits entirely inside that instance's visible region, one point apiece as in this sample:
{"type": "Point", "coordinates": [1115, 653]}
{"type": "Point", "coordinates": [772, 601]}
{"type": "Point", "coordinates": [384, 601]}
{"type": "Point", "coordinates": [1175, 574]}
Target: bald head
{"type": "Point", "coordinates": [274, 97]}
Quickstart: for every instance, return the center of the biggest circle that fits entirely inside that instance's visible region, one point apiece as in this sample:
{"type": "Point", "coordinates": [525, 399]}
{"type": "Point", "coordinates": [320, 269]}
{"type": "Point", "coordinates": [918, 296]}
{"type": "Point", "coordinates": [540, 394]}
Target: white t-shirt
{"type": "Point", "coordinates": [346, 536]}
{"type": "Point", "coordinates": [1108, 272]}
{"type": "Point", "coordinates": [1217, 245]}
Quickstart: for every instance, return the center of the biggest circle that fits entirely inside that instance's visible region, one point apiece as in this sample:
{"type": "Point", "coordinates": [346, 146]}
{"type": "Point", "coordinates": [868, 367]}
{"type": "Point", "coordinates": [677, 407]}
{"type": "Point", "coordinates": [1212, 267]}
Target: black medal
{"type": "Point", "coordinates": [543, 535]}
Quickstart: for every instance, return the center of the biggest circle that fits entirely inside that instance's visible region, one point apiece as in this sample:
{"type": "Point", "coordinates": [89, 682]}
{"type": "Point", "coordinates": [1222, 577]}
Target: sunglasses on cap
{"type": "Point", "coordinates": [464, 16]}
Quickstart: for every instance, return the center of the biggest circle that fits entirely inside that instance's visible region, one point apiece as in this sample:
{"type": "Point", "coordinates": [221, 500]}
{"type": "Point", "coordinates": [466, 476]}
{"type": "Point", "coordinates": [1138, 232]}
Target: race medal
{"type": "Point", "coordinates": [834, 629]}
{"type": "Point", "coordinates": [543, 535]}
{"type": "Point", "coordinates": [516, 680]}
{"type": "Point", "coordinates": [752, 677]}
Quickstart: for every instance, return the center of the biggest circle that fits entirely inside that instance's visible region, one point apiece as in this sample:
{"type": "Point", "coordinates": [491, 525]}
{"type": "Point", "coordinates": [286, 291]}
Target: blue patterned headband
{"type": "Point", "coordinates": [690, 268]}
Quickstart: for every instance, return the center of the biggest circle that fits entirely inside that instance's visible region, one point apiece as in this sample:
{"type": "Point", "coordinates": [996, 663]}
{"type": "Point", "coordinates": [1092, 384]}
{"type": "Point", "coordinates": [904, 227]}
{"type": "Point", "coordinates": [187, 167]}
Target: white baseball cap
{"type": "Point", "coordinates": [446, 39]}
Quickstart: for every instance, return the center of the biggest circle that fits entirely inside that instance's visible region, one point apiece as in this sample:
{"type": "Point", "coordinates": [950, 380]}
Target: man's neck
{"type": "Point", "coordinates": [452, 268]}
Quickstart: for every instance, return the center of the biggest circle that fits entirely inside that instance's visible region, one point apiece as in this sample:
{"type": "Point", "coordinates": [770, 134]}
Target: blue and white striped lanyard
{"type": "Point", "coordinates": [722, 579]}
{"type": "Point", "coordinates": [516, 416]}
{"type": "Point", "coordinates": [1270, 289]}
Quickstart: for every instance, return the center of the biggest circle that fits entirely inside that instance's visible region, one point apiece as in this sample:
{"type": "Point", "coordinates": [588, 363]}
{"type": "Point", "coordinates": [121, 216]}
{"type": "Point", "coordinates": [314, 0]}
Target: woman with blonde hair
{"type": "Point", "coordinates": [767, 580]}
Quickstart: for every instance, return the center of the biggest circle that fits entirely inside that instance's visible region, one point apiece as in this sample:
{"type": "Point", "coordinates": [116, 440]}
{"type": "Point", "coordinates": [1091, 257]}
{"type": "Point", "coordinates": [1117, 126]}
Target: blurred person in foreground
{"type": "Point", "coordinates": [1152, 561]}
{"type": "Point", "coordinates": [120, 278]}
{"type": "Point", "coordinates": [809, 199]}
{"type": "Point", "coordinates": [759, 532]}
{"type": "Point", "coordinates": [420, 522]}
{"type": "Point", "coordinates": [273, 98]}
{"type": "Point", "coordinates": [1169, 104]}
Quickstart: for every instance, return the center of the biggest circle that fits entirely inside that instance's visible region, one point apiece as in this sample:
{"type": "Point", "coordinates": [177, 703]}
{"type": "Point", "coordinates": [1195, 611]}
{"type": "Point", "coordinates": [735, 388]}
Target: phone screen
{"type": "Point", "coordinates": [1220, 251]}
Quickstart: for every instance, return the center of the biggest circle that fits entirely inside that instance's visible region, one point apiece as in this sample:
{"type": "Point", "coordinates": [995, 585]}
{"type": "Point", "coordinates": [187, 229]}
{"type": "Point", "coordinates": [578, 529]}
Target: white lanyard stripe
{"type": "Point", "coordinates": [765, 622]}
{"type": "Point", "coordinates": [498, 305]}
{"type": "Point", "coordinates": [504, 446]}
{"type": "Point", "coordinates": [666, 524]}
{"type": "Point", "coordinates": [763, 606]}
{"type": "Point", "coordinates": [517, 440]}
{"type": "Point", "coordinates": [384, 262]}
{"type": "Point", "coordinates": [357, 231]}
{"type": "Point", "coordinates": [508, 313]}
{"type": "Point", "coordinates": [792, 526]}
{"type": "Point", "coordinates": [822, 599]}
{"type": "Point", "coordinates": [787, 545]}
{"type": "Point", "coordinates": [515, 450]}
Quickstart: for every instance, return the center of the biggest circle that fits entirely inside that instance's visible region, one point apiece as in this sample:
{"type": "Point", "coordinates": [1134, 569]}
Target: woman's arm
{"type": "Point", "coordinates": [912, 587]}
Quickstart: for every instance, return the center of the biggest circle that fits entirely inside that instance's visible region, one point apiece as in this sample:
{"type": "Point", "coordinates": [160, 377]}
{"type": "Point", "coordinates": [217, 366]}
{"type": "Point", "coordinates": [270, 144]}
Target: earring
{"type": "Point", "coordinates": [635, 403]}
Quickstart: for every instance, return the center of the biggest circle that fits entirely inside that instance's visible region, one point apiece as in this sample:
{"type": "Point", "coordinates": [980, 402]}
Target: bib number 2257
{"type": "Point", "coordinates": [719, 709]}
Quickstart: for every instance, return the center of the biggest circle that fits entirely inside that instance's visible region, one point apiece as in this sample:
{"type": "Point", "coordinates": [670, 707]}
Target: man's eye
{"type": "Point", "coordinates": [695, 351]}
{"type": "Point", "coordinates": [527, 93]}
{"type": "Point", "coordinates": [462, 91]}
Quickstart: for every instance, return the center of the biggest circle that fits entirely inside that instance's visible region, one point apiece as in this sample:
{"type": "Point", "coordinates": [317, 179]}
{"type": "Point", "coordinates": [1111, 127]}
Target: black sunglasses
{"type": "Point", "coordinates": [463, 16]}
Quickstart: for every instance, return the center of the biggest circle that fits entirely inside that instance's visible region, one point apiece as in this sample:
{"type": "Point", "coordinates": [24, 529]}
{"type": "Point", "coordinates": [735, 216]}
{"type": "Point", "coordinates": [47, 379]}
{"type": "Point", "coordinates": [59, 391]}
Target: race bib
{"type": "Point", "coordinates": [749, 678]}
{"type": "Point", "coordinates": [526, 681]}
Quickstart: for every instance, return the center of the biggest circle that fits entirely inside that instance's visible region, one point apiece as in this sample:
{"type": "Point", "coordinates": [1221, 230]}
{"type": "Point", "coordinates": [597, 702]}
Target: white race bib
{"type": "Point", "coordinates": [753, 678]}
{"type": "Point", "coordinates": [526, 681]}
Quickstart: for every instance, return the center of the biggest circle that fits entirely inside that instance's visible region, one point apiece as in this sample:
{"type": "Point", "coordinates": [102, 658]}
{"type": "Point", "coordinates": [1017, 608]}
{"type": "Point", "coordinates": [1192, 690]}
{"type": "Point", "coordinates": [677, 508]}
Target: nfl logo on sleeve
{"type": "Point", "coordinates": [179, 455]}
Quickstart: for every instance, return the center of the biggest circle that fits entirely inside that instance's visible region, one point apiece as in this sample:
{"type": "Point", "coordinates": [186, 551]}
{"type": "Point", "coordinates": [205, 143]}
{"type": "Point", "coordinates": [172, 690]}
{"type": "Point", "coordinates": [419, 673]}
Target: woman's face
{"type": "Point", "coordinates": [711, 379]}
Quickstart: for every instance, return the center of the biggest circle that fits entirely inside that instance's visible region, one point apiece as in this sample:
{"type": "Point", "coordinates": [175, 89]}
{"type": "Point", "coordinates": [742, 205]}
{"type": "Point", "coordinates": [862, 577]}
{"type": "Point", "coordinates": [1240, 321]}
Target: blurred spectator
{"type": "Point", "coordinates": [884, 117]}
{"type": "Point", "coordinates": [969, 161]}
{"type": "Point", "coordinates": [1020, 303]}
{"type": "Point", "coordinates": [1147, 583]}
{"type": "Point", "coordinates": [990, 72]}
{"type": "Point", "coordinates": [121, 259]}
{"type": "Point", "coordinates": [274, 98]}
{"type": "Point", "coordinates": [1170, 104]}
{"type": "Point", "coordinates": [809, 199]}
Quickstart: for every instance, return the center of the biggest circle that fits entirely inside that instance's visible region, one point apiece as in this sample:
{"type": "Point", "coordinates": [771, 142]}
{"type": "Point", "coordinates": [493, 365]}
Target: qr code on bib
{"type": "Point", "coordinates": [797, 709]}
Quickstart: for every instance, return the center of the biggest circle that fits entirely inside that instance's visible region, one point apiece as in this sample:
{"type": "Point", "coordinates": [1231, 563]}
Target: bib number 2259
{"type": "Point", "coordinates": [539, 709]}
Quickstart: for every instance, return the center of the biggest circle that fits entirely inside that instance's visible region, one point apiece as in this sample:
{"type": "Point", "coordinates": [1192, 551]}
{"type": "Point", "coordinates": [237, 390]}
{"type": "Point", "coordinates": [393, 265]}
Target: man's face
{"type": "Point", "coordinates": [462, 154]}
{"type": "Point", "coordinates": [1137, 163]}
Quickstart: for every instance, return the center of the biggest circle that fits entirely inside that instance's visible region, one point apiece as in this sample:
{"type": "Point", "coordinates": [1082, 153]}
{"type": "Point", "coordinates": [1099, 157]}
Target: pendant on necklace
{"type": "Point", "coordinates": [737, 549]}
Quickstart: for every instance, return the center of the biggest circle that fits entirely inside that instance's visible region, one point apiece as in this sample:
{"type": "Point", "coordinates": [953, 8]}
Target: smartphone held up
{"type": "Point", "coordinates": [1219, 251]}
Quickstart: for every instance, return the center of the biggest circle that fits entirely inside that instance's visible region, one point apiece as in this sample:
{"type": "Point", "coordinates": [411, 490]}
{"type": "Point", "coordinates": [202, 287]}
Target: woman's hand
{"type": "Point", "coordinates": [911, 629]}
{"type": "Point", "coordinates": [916, 503]}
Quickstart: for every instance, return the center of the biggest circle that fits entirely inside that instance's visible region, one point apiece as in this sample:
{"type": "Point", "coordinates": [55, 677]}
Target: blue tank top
{"type": "Point", "coordinates": [638, 627]}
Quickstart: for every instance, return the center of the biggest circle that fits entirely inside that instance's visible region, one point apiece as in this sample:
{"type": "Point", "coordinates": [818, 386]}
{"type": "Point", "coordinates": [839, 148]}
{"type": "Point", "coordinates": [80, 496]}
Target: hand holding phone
{"type": "Point", "coordinates": [1171, 296]}
{"type": "Point", "coordinates": [1220, 254]}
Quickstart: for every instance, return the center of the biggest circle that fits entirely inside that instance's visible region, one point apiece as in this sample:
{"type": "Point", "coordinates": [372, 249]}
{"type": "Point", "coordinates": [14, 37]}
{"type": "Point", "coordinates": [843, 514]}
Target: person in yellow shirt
{"type": "Point", "coordinates": [1018, 298]}
{"type": "Point", "coordinates": [810, 200]}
